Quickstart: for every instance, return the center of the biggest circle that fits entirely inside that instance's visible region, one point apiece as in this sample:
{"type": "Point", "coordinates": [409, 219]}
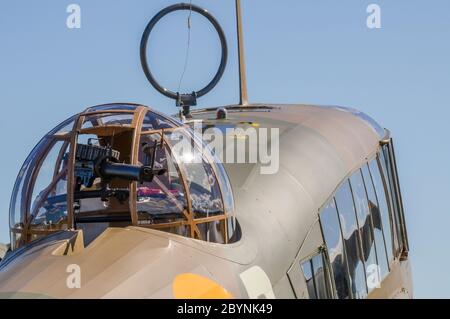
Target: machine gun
{"type": "Point", "coordinates": [94, 161]}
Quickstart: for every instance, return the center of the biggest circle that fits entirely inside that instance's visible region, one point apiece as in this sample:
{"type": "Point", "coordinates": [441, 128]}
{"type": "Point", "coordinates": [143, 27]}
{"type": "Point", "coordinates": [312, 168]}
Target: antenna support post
{"type": "Point", "coordinates": [186, 101]}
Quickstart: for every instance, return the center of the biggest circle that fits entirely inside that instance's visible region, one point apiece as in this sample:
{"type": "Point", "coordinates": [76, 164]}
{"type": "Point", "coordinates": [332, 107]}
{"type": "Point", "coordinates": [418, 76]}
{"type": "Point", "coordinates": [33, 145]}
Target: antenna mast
{"type": "Point", "coordinates": [243, 98]}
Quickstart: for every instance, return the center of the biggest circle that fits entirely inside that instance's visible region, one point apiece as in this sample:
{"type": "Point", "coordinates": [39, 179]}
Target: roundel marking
{"type": "Point", "coordinates": [193, 286]}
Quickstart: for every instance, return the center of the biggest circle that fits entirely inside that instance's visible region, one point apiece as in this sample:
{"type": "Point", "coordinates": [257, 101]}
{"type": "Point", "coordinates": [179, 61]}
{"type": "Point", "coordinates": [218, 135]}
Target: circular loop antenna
{"type": "Point", "coordinates": [146, 35]}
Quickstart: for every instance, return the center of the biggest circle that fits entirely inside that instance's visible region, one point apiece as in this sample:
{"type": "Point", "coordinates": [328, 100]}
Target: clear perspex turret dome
{"type": "Point", "coordinates": [118, 165]}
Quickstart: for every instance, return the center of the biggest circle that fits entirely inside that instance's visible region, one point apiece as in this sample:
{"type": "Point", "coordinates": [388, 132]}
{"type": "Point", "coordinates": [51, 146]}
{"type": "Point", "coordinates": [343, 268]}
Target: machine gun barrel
{"type": "Point", "coordinates": [129, 172]}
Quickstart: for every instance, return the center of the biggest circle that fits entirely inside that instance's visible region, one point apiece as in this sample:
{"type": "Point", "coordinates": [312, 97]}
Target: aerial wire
{"type": "Point", "coordinates": [188, 45]}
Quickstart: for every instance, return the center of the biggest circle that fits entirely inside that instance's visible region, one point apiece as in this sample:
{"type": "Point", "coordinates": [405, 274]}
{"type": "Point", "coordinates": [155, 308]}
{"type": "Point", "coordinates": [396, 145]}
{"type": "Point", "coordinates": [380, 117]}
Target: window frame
{"type": "Point", "coordinates": [344, 250]}
{"type": "Point", "coordinates": [360, 253]}
{"type": "Point", "coordinates": [36, 159]}
{"type": "Point", "coordinates": [389, 250]}
{"type": "Point", "coordinates": [377, 157]}
{"type": "Point", "coordinates": [384, 248]}
{"type": "Point", "coordinates": [383, 168]}
{"type": "Point", "coordinates": [328, 280]}
{"type": "Point", "coordinates": [393, 186]}
{"type": "Point", "coordinates": [399, 198]}
{"type": "Point", "coordinates": [369, 216]}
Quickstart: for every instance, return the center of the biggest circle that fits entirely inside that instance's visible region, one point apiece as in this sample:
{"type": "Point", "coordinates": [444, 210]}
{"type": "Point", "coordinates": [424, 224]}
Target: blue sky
{"type": "Point", "coordinates": [318, 52]}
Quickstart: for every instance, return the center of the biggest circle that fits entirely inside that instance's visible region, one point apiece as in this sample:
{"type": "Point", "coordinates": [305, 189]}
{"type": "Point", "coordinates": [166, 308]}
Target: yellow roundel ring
{"type": "Point", "coordinates": [192, 286]}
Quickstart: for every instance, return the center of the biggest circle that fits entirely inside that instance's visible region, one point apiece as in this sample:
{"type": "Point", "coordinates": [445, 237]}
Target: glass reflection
{"type": "Point", "coordinates": [349, 225]}
{"type": "Point", "coordinates": [364, 220]}
{"type": "Point", "coordinates": [333, 238]}
{"type": "Point", "coordinates": [309, 279]}
{"type": "Point", "coordinates": [163, 199]}
{"type": "Point", "coordinates": [321, 278]}
{"type": "Point", "coordinates": [376, 221]}
{"type": "Point", "coordinates": [383, 207]}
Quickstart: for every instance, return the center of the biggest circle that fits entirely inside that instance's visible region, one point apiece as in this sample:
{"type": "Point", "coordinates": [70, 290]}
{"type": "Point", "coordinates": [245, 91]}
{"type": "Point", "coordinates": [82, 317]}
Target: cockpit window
{"type": "Point", "coordinates": [162, 200]}
{"type": "Point", "coordinates": [48, 202]}
{"type": "Point", "coordinates": [204, 190]}
{"type": "Point", "coordinates": [108, 119]}
{"type": "Point", "coordinates": [38, 202]}
{"type": "Point", "coordinates": [203, 185]}
{"type": "Point", "coordinates": [112, 107]}
{"type": "Point", "coordinates": [154, 121]}
{"type": "Point", "coordinates": [64, 128]}
{"type": "Point", "coordinates": [117, 166]}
